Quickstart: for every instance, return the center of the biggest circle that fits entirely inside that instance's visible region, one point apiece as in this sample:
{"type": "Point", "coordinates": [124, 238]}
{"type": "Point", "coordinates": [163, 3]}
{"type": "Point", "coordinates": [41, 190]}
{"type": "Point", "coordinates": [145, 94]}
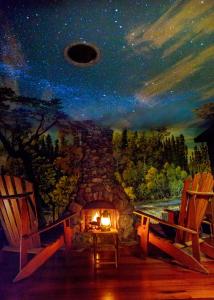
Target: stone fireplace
{"type": "Point", "coordinates": [91, 215]}
{"type": "Point", "coordinates": [97, 181]}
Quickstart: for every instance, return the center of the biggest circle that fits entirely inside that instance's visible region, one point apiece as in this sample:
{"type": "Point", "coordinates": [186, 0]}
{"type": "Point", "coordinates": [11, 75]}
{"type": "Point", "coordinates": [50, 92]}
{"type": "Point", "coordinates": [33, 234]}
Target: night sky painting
{"type": "Point", "coordinates": [156, 63]}
{"type": "Point", "coordinates": [107, 119]}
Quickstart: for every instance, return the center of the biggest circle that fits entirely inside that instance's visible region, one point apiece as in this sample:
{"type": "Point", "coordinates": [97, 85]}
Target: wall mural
{"type": "Point", "coordinates": [141, 93]}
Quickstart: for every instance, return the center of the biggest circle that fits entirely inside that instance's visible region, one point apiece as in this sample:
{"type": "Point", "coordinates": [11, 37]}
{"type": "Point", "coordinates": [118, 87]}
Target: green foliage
{"type": "Point", "coordinates": [62, 193]}
{"type": "Point", "coordinates": [130, 174]}
{"type": "Point", "coordinates": [199, 160]}
{"type": "Point", "coordinates": [150, 165]}
{"type": "Point", "coordinates": [118, 177]}
{"type": "Point", "coordinates": [130, 192]}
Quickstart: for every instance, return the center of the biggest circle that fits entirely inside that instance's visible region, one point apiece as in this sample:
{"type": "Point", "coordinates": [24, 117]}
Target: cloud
{"type": "Point", "coordinates": [185, 20]}
{"type": "Point", "coordinates": [172, 76]}
{"type": "Point", "coordinates": [187, 27]}
{"type": "Point", "coordinates": [207, 91]}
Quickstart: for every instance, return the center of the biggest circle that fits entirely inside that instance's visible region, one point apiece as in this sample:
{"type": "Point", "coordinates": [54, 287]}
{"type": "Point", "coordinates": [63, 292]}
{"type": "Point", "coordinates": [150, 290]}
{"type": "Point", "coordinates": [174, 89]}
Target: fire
{"type": "Point", "coordinates": [94, 218]}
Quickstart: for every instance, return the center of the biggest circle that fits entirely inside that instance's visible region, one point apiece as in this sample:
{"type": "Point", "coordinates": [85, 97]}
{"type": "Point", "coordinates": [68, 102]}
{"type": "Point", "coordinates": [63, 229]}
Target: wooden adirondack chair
{"type": "Point", "coordinates": [197, 192]}
{"type": "Point", "coordinates": [18, 216]}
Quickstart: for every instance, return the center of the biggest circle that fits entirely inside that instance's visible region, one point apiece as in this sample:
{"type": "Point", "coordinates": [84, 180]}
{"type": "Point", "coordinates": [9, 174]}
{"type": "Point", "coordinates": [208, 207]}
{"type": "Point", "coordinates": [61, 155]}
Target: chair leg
{"type": "Point", "coordinates": [23, 255]}
{"type": "Point", "coordinates": [68, 234]}
{"type": "Point", "coordinates": [143, 231]}
{"type": "Point", "coordinates": [39, 259]}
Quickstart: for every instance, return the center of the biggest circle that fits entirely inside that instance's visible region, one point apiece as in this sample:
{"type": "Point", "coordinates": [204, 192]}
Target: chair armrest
{"type": "Point", "coordinates": [49, 226]}
{"type": "Point", "coordinates": [200, 193]}
{"type": "Point", "coordinates": [11, 197]}
{"type": "Point", "coordinates": [142, 214]}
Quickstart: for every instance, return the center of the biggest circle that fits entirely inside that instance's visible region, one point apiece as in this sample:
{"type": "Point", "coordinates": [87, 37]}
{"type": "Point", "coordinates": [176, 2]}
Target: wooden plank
{"type": "Point", "coordinates": [183, 210]}
{"type": "Point", "coordinates": [68, 234]}
{"type": "Point", "coordinates": [191, 209]}
{"type": "Point", "coordinates": [33, 214]}
{"type": "Point", "coordinates": [25, 244]}
{"type": "Point", "coordinates": [141, 213]}
{"type": "Point", "coordinates": [198, 203]}
{"type": "Point", "coordinates": [24, 216]}
{"type": "Point", "coordinates": [178, 254]}
{"type": "Point", "coordinates": [134, 279]}
{"type": "Point", "coordinates": [143, 232]}
{"type": "Point", "coordinates": [196, 247]}
{"type": "Point", "coordinates": [8, 214]}
{"type": "Point", "coordinates": [39, 259]}
{"type": "Point", "coordinates": [14, 203]}
{"type": "Point", "coordinates": [5, 223]}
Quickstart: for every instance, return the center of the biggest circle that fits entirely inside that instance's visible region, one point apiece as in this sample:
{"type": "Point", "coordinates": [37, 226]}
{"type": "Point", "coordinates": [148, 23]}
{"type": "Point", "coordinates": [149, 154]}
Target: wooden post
{"type": "Point", "coordinates": [68, 234]}
{"type": "Point", "coordinates": [143, 231]}
{"type": "Point", "coordinates": [23, 256]}
{"type": "Point", "coordinates": [195, 237]}
{"type": "Point", "coordinates": [196, 247]}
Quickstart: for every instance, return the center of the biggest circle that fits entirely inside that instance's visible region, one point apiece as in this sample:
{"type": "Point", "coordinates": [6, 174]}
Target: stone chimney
{"type": "Point", "coordinates": [97, 180]}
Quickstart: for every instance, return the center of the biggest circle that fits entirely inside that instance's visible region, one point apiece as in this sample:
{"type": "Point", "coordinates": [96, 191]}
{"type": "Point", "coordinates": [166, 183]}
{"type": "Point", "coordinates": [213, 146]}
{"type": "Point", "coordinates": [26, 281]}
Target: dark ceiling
{"type": "Point", "coordinates": [155, 68]}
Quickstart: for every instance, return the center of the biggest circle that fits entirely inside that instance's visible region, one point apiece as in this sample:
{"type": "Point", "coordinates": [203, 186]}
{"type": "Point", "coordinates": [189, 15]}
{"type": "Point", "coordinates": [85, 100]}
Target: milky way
{"type": "Point", "coordinates": [155, 67]}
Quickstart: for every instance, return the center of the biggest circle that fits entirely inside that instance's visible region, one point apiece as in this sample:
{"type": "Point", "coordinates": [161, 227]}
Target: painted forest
{"type": "Point", "coordinates": [152, 165]}
{"type": "Point", "coordinates": [40, 142]}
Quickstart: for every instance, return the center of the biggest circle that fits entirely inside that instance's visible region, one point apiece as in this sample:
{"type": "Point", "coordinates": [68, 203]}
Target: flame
{"type": "Point", "coordinates": [94, 218]}
{"type": "Point", "coordinates": [105, 221]}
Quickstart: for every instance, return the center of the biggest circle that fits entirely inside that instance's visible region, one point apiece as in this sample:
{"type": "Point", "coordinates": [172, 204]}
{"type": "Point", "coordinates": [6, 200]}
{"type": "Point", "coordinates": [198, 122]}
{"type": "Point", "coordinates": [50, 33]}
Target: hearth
{"type": "Point", "coordinates": [100, 215]}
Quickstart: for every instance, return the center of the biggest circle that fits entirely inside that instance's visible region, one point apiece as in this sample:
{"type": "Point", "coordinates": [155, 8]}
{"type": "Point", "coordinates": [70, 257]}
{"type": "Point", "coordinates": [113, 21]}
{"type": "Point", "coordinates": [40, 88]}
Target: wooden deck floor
{"type": "Point", "coordinates": [135, 278]}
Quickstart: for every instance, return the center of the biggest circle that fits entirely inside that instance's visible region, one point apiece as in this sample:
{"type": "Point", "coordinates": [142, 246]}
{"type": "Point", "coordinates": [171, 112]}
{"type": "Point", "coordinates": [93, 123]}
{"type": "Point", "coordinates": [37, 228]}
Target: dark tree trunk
{"type": "Point", "coordinates": [30, 175]}
{"type": "Point", "coordinates": [210, 145]}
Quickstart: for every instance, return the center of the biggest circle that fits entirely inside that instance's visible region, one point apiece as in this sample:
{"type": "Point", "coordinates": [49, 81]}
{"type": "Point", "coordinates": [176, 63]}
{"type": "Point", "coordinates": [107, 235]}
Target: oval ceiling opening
{"type": "Point", "coordinates": [82, 54]}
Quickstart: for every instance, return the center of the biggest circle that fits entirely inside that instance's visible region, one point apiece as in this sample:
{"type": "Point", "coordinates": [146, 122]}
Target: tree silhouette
{"type": "Point", "coordinates": [24, 121]}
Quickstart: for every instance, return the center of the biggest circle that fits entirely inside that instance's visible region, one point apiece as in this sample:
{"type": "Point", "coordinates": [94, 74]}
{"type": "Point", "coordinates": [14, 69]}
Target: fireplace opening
{"type": "Point", "coordinates": [99, 215]}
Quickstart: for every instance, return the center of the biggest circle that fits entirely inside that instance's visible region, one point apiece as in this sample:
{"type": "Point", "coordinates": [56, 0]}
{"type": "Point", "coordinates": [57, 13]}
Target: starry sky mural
{"type": "Point", "coordinates": [156, 62]}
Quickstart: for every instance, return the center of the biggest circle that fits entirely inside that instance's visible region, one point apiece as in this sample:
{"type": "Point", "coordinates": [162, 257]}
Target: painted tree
{"type": "Point", "coordinates": [199, 160]}
{"type": "Point", "coordinates": [24, 121]}
{"type": "Point", "coordinates": [206, 112]}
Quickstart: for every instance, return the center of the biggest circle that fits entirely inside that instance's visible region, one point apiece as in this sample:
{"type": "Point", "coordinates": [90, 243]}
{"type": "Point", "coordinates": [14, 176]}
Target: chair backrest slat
{"type": "Point", "coordinates": [205, 184]}
{"type": "Point", "coordinates": [11, 211]}
{"type": "Point", "coordinates": [8, 216]}
{"type": "Point", "coordinates": [193, 207]}
{"type": "Point", "coordinates": [183, 209]}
